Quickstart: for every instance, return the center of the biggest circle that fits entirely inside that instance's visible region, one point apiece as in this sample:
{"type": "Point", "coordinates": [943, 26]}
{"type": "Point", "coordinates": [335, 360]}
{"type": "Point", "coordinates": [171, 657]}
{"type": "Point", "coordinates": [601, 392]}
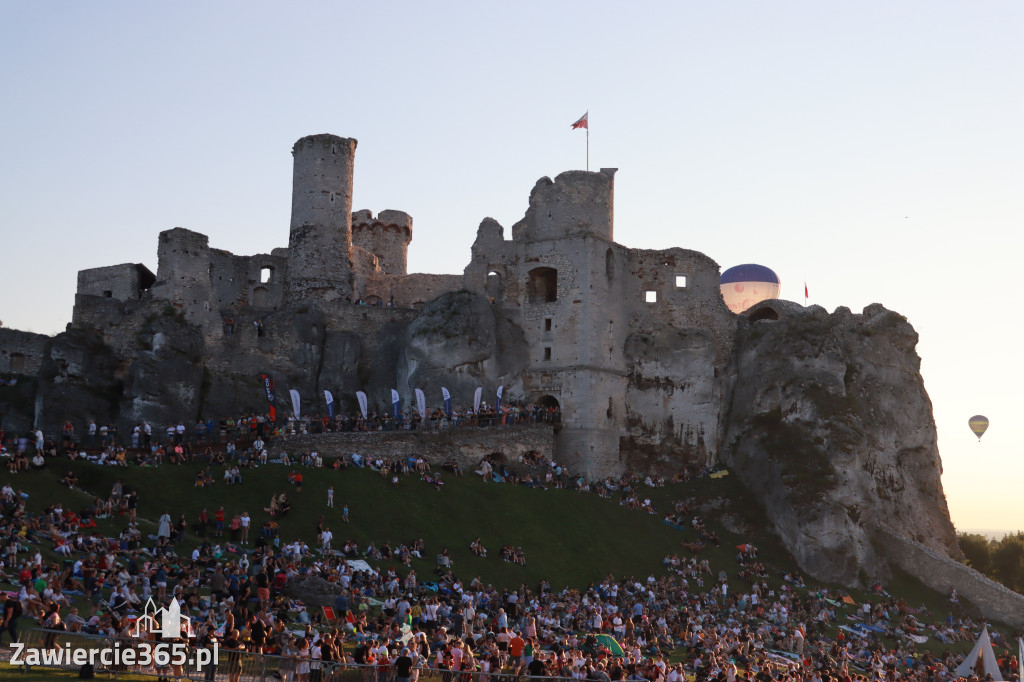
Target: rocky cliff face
{"type": "Point", "coordinates": [461, 341]}
{"type": "Point", "coordinates": [828, 421]}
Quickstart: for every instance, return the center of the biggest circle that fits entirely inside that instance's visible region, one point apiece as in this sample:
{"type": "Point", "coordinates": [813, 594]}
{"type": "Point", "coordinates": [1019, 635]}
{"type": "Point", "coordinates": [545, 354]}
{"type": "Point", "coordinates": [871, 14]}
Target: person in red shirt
{"type": "Point", "coordinates": [218, 522]}
{"type": "Point", "coordinates": [516, 645]}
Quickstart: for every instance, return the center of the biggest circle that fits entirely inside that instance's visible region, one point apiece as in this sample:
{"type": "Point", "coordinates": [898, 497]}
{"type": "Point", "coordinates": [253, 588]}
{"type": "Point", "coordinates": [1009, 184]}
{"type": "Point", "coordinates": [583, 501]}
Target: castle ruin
{"type": "Point", "coordinates": [629, 344]}
{"type": "Point", "coordinates": [824, 416]}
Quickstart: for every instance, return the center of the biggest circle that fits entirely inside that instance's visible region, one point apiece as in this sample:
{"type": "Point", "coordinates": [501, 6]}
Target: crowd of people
{"type": "Point", "coordinates": [210, 431]}
{"type": "Point", "coordinates": [744, 622]}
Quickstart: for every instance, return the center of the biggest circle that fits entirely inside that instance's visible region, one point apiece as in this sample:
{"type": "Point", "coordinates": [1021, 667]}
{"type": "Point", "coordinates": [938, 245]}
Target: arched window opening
{"type": "Point", "coordinates": [548, 401]}
{"type": "Point", "coordinates": [542, 286]}
{"type": "Point", "coordinates": [550, 411]}
{"type": "Point", "coordinates": [493, 286]}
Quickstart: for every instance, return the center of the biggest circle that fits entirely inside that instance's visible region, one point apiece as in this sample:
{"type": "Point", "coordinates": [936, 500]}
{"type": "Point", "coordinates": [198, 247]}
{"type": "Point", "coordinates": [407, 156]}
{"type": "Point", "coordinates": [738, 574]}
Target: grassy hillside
{"type": "Point", "coordinates": [569, 538]}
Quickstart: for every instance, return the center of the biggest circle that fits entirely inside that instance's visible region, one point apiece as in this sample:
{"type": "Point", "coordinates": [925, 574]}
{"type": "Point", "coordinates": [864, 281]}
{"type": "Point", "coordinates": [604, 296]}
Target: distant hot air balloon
{"type": "Point", "coordinates": [744, 285]}
{"type": "Point", "coordinates": [978, 424]}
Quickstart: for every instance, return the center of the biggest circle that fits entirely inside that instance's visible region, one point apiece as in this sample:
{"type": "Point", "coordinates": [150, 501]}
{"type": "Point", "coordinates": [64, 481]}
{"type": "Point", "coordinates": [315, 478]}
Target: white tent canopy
{"type": "Point", "coordinates": [981, 660]}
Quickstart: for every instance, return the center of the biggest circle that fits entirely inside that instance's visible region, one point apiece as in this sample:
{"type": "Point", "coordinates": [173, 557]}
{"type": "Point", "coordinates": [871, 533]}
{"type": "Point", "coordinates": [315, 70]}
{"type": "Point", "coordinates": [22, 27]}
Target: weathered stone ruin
{"type": "Point", "coordinates": [823, 415]}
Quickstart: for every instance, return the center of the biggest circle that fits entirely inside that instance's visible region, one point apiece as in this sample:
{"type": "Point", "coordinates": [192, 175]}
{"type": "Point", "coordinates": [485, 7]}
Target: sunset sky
{"type": "Point", "coordinates": [874, 150]}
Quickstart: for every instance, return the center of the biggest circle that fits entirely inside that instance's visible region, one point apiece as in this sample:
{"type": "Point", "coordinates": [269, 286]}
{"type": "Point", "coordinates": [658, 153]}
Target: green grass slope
{"type": "Point", "coordinates": [569, 538]}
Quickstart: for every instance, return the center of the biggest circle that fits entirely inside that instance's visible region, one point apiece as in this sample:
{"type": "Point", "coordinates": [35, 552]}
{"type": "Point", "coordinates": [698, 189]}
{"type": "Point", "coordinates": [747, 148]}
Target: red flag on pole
{"type": "Point", "coordinates": [806, 295]}
{"type": "Point", "coordinates": [582, 122]}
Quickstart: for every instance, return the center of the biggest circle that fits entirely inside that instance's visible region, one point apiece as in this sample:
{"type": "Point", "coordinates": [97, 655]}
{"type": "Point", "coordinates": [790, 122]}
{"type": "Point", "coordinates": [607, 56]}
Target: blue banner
{"type": "Point", "coordinates": [447, 402]}
{"type": "Point", "coordinates": [330, 404]}
{"type": "Point", "coordinates": [395, 399]}
{"type": "Point", "coordinates": [497, 405]}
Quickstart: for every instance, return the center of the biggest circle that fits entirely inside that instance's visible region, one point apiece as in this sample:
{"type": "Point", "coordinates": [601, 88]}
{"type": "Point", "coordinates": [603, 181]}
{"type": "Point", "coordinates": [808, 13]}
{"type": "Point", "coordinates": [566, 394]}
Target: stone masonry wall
{"type": "Point", "coordinates": [122, 282]}
{"type": "Point", "coordinates": [236, 281]}
{"type": "Point", "coordinates": [22, 352]}
{"type": "Point", "coordinates": [575, 202]}
{"type": "Point", "coordinates": [466, 444]}
{"type": "Point", "coordinates": [942, 573]}
{"type": "Point", "coordinates": [410, 290]}
{"type": "Point", "coordinates": [387, 236]}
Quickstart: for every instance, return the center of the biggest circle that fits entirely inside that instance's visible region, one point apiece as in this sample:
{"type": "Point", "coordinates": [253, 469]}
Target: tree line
{"type": "Point", "coordinates": [1001, 560]}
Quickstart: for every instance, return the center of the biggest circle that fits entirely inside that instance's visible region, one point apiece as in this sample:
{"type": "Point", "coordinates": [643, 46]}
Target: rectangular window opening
{"type": "Point", "coordinates": [651, 296]}
{"type": "Point", "coordinates": [547, 324]}
{"type": "Point", "coordinates": [547, 352]}
{"type": "Point", "coordinates": [680, 281]}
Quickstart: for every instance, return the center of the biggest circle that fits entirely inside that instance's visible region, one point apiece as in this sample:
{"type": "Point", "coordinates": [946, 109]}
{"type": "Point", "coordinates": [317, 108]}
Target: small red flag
{"type": "Point", "coordinates": [806, 295]}
{"type": "Point", "coordinates": [582, 123]}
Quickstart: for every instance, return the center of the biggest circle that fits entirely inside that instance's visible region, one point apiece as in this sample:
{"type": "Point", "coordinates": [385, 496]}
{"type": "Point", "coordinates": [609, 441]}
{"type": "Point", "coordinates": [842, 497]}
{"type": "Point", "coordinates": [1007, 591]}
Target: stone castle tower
{"type": "Point", "coordinates": [320, 238]}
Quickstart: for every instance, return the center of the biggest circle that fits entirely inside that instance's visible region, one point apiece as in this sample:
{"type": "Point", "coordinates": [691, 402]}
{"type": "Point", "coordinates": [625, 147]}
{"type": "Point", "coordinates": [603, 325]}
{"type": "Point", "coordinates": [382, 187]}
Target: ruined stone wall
{"type": "Point", "coordinates": [491, 272]}
{"type": "Point", "coordinates": [467, 444]}
{"type": "Point", "coordinates": [320, 239]}
{"type": "Point", "coordinates": [237, 281]}
{"type": "Point", "coordinates": [419, 288]}
{"type": "Point", "coordinates": [574, 203]}
{"type": "Point", "coordinates": [183, 277]}
{"type": "Point", "coordinates": [98, 312]}
{"type": "Point", "coordinates": [409, 291]}
{"type": "Point", "coordinates": [22, 352]}
{"type": "Point", "coordinates": [183, 259]}
{"type": "Point", "coordinates": [387, 236]}
{"type": "Point", "coordinates": [941, 573]}
{"type": "Point", "coordinates": [680, 340]}
{"type": "Point", "coordinates": [122, 282]}
{"type": "Point", "coordinates": [695, 303]}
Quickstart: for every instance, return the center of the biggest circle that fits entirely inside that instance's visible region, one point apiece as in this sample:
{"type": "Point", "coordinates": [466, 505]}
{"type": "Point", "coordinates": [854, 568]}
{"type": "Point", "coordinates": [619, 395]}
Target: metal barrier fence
{"type": "Point", "coordinates": [248, 666]}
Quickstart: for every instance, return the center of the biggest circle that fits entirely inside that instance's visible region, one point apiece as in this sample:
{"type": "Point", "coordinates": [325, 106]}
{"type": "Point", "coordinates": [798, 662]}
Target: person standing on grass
{"type": "Point", "coordinates": [330, 497]}
{"type": "Point", "coordinates": [12, 611]}
{"type": "Point", "coordinates": [325, 540]}
{"type": "Point", "coordinates": [164, 526]}
{"type": "Point", "coordinates": [246, 521]}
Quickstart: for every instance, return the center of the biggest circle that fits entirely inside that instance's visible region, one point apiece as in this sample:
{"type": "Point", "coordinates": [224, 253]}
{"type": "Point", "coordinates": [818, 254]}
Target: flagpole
{"type": "Point", "coordinates": [588, 148]}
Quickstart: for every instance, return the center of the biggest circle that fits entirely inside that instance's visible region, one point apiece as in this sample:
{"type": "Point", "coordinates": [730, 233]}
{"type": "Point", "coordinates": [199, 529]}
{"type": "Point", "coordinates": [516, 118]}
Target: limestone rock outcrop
{"type": "Point", "coordinates": [461, 341]}
{"type": "Point", "coordinates": [828, 421]}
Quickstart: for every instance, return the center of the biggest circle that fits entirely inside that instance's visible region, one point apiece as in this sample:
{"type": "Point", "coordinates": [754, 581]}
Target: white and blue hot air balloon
{"type": "Point", "coordinates": [744, 285]}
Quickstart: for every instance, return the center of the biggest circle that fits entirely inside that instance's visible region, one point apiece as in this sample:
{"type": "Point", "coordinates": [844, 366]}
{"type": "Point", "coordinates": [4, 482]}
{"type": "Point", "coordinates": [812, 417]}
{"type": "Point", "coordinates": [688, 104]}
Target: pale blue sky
{"type": "Point", "coordinates": [874, 149]}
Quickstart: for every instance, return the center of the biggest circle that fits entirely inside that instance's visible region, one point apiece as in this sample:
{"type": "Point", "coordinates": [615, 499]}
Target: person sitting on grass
{"type": "Point", "coordinates": [204, 478]}
{"type": "Point", "coordinates": [70, 480]}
